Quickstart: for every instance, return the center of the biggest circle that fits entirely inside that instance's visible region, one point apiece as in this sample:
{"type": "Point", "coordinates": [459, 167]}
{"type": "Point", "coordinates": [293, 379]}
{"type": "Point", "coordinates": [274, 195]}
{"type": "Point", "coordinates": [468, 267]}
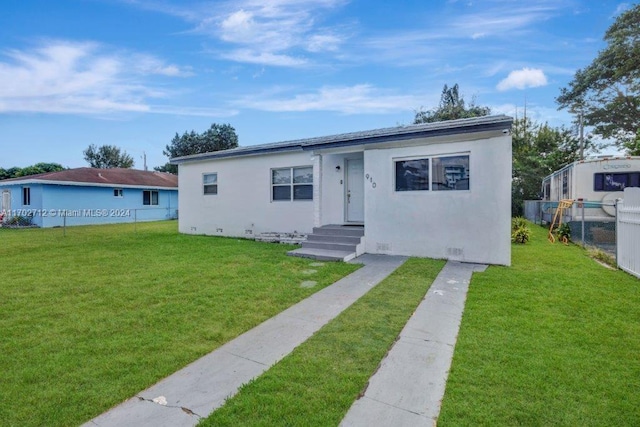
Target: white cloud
{"type": "Point", "coordinates": [81, 77]}
{"type": "Point", "coordinates": [503, 20]}
{"type": "Point", "coordinates": [358, 99]}
{"type": "Point", "coordinates": [622, 7]}
{"type": "Point", "coordinates": [522, 79]}
{"type": "Point", "coordinates": [264, 58]}
{"type": "Point", "coordinates": [262, 32]}
{"type": "Point", "coordinates": [239, 27]}
{"type": "Point", "coordinates": [323, 42]}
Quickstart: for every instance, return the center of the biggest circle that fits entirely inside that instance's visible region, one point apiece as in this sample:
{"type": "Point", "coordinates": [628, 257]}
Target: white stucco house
{"type": "Point", "coordinates": [437, 190]}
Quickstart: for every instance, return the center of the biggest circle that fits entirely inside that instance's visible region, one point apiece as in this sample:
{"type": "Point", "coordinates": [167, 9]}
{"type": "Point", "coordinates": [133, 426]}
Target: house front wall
{"type": "Point", "coordinates": [471, 225]}
{"type": "Point", "coordinates": [467, 225]}
{"type": "Point", "coordinates": [85, 205]}
{"type": "Point", "coordinates": [57, 205]}
{"type": "Point", "coordinates": [243, 205]}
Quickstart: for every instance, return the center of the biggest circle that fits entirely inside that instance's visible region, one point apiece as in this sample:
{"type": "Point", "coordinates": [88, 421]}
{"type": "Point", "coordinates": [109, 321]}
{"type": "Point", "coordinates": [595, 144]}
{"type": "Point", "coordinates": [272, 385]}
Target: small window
{"type": "Point", "coordinates": [450, 173]}
{"type": "Point", "coordinates": [210, 183]}
{"type": "Point", "coordinates": [26, 196]}
{"type": "Point", "coordinates": [292, 183]}
{"type": "Point", "coordinates": [149, 197]}
{"type": "Point", "coordinates": [412, 175]}
{"type": "Point", "coordinates": [117, 192]}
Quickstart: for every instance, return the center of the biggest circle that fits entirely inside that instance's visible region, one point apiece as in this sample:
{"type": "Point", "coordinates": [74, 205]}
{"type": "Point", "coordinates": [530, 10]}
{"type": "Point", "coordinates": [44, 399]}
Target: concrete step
{"type": "Point", "coordinates": [347, 247]}
{"type": "Point", "coordinates": [339, 230]}
{"type": "Point", "coordinates": [330, 238]}
{"type": "Point", "coordinates": [322, 254]}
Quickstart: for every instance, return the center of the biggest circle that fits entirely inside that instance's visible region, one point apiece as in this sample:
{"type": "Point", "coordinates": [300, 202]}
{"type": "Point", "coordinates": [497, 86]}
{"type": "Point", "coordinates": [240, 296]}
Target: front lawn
{"type": "Point", "coordinates": [89, 319]}
{"type": "Point", "coordinates": [319, 381]}
{"type": "Point", "coordinates": [552, 340]}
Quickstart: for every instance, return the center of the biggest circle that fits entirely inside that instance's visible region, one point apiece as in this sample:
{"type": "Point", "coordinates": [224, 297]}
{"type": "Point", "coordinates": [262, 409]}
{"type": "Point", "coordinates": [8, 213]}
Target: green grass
{"type": "Point", "coordinates": [319, 381]}
{"type": "Point", "coordinates": [89, 319]}
{"type": "Point", "coordinates": [553, 340]}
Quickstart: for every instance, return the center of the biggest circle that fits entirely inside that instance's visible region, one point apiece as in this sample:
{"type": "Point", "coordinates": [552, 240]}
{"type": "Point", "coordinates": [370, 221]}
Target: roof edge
{"type": "Point", "coordinates": [450, 127]}
{"type": "Point", "coordinates": [27, 180]}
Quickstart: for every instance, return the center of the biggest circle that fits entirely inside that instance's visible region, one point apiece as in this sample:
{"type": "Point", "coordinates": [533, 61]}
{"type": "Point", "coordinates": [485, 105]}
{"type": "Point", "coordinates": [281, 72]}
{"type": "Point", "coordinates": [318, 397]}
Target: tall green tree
{"type": "Point", "coordinates": [452, 106]}
{"type": "Point", "coordinates": [607, 91]}
{"type": "Point", "coordinates": [216, 138]}
{"type": "Point", "coordinates": [107, 157]}
{"type": "Point", "coordinates": [16, 172]}
{"type": "Point", "coordinates": [539, 150]}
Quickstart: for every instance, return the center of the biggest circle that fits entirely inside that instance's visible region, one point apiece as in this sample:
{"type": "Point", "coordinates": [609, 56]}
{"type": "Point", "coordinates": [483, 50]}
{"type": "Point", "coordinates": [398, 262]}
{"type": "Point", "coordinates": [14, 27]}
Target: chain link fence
{"type": "Point", "coordinates": [589, 222]}
{"type": "Point", "coordinates": [52, 218]}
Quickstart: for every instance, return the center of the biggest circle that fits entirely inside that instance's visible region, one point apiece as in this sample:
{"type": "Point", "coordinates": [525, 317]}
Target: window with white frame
{"type": "Point", "coordinates": [442, 173]}
{"type": "Point", "coordinates": [210, 183]}
{"type": "Point", "coordinates": [26, 196]}
{"type": "Point", "coordinates": [150, 197]}
{"type": "Point", "coordinates": [294, 183]}
{"type": "Point", "coordinates": [117, 192]}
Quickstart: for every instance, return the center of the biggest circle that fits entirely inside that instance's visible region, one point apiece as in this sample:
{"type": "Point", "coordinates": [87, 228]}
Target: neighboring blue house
{"type": "Point", "coordinates": [90, 196]}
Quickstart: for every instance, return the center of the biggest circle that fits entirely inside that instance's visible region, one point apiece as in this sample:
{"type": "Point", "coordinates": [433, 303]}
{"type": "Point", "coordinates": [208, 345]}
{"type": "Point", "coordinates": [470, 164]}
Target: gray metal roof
{"type": "Point", "coordinates": [450, 127]}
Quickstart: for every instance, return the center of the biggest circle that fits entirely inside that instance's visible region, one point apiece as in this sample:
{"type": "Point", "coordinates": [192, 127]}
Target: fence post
{"type": "Point", "coordinates": [615, 204]}
{"type": "Point", "coordinates": [64, 224]}
{"type": "Point", "coordinates": [582, 209]}
{"type": "Point", "coordinates": [135, 220]}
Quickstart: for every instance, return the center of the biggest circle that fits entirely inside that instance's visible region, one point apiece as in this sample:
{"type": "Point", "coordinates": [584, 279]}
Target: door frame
{"type": "Point", "coordinates": [346, 190]}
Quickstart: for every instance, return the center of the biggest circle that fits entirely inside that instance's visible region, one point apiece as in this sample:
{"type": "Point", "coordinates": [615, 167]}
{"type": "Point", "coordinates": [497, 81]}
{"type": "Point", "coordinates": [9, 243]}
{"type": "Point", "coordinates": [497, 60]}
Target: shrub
{"type": "Point", "coordinates": [520, 232]}
{"type": "Point", "coordinates": [518, 222]}
{"type": "Point", "coordinates": [564, 231]}
{"type": "Point", "coordinates": [19, 221]}
{"type": "Point", "coordinates": [521, 235]}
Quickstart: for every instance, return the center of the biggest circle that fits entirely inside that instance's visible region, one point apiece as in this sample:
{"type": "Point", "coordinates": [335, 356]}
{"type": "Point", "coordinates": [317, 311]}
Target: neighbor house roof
{"type": "Point", "coordinates": [450, 127]}
{"type": "Point", "coordinates": [100, 177]}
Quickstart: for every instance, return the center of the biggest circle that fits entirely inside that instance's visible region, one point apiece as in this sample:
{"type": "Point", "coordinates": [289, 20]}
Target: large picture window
{"type": "Point", "coordinates": [292, 183]}
{"type": "Point", "coordinates": [444, 173]}
{"type": "Point", "coordinates": [450, 173]}
{"type": "Point", "coordinates": [210, 183]}
{"type": "Point", "coordinates": [412, 175]}
{"type": "Point", "coordinates": [615, 181]}
{"type": "Point", "coordinates": [150, 197]}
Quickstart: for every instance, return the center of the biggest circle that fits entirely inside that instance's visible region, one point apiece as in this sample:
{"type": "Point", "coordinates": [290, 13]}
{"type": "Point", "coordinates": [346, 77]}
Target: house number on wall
{"type": "Point", "coordinates": [370, 178]}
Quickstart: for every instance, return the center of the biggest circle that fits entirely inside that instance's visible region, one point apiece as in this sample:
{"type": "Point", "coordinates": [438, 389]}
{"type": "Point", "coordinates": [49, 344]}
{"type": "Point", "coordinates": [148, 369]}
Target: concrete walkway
{"type": "Point", "coordinates": [200, 388]}
{"type": "Point", "coordinates": [408, 388]}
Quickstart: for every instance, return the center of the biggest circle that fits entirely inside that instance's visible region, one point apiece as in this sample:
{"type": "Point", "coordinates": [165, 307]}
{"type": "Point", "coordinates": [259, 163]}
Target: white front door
{"type": "Point", "coordinates": [6, 201]}
{"type": "Point", "coordinates": [355, 190]}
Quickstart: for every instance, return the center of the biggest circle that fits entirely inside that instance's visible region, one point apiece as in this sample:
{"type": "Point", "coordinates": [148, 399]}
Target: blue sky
{"type": "Point", "coordinates": [132, 73]}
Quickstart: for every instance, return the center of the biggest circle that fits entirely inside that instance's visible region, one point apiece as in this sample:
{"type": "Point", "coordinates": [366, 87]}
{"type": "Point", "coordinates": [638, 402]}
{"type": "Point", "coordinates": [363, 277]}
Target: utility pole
{"type": "Point", "coordinates": [144, 156]}
{"type": "Point", "coordinates": [581, 125]}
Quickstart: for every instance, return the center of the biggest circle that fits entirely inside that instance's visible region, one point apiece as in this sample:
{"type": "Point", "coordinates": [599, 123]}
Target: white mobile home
{"type": "Point", "coordinates": [438, 190]}
{"type": "Point", "coordinates": [597, 183]}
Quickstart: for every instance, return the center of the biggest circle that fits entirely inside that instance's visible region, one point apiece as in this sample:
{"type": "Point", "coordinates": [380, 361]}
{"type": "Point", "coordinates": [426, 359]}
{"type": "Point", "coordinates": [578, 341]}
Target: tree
{"type": "Point", "coordinates": [607, 91]}
{"type": "Point", "coordinates": [539, 150]}
{"type": "Point", "coordinates": [16, 172]}
{"type": "Point", "coordinates": [107, 157]}
{"type": "Point", "coordinates": [40, 168]}
{"type": "Point", "coordinates": [216, 138]}
{"type": "Point", "coordinates": [452, 106]}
